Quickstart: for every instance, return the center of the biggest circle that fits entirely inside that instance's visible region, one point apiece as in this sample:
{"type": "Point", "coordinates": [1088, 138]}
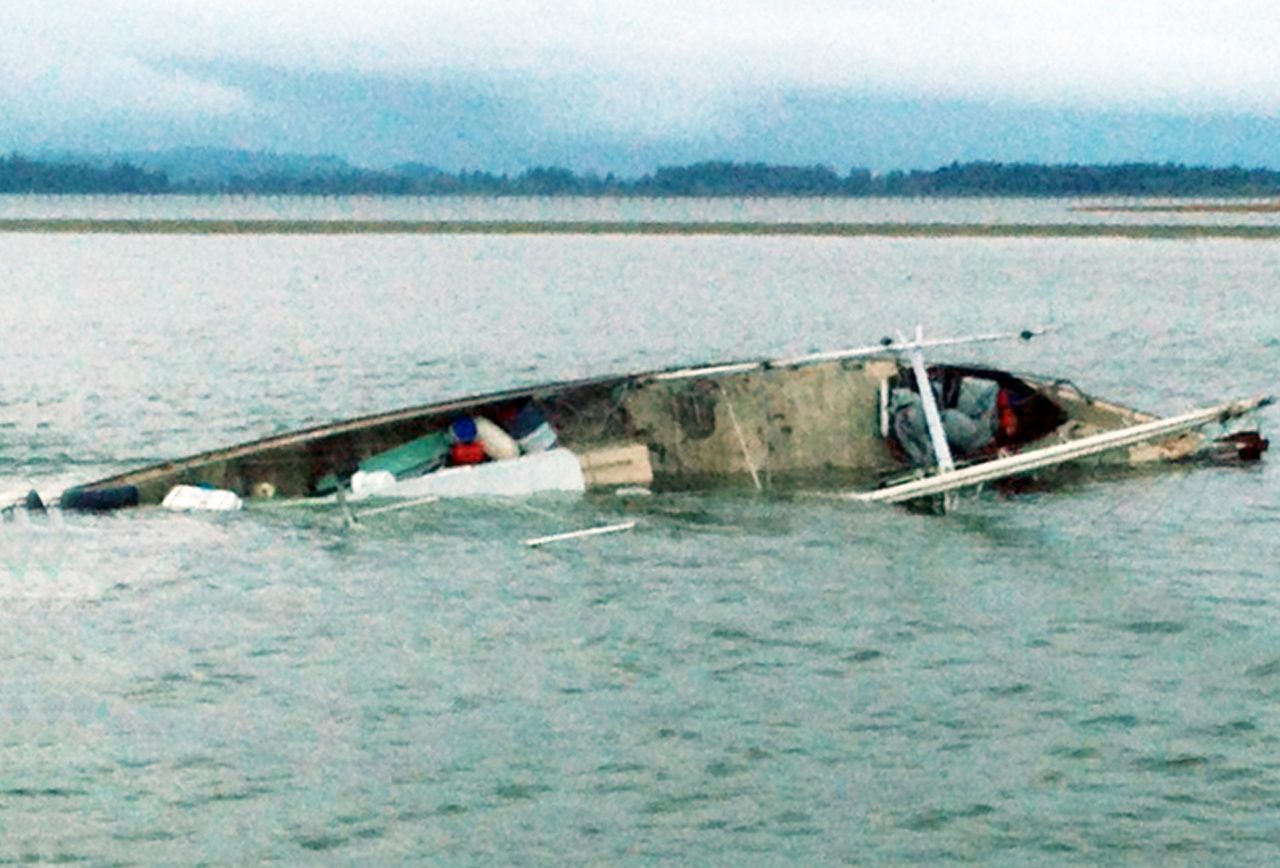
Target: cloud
{"type": "Point", "coordinates": [1049, 50]}
{"type": "Point", "coordinates": [663, 68]}
{"type": "Point", "coordinates": [1170, 52]}
{"type": "Point", "coordinates": [45, 75]}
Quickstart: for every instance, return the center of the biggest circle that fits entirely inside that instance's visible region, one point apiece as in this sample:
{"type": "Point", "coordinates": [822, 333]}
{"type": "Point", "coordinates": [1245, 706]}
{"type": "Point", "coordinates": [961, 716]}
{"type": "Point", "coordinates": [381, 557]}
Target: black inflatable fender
{"type": "Point", "coordinates": [99, 499]}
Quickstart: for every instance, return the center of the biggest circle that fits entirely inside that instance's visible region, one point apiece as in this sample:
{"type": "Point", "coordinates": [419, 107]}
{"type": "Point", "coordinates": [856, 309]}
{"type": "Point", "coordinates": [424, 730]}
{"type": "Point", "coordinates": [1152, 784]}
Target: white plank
{"type": "Point", "coordinates": [396, 507]}
{"type": "Point", "coordinates": [1050, 456]}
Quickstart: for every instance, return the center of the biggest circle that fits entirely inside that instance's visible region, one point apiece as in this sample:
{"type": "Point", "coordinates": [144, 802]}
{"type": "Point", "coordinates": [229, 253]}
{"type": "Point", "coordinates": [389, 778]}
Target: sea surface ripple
{"type": "Point", "coordinates": [1086, 675]}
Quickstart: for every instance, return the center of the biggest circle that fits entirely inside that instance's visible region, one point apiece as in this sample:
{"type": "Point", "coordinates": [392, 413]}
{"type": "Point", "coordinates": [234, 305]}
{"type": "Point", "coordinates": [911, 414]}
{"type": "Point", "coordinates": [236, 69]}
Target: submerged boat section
{"type": "Point", "coordinates": [847, 419]}
{"type": "Point", "coordinates": [797, 422]}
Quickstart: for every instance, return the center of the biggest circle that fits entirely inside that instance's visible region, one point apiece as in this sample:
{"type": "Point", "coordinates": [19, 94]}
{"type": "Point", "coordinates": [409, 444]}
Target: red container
{"type": "Point", "coordinates": [466, 453]}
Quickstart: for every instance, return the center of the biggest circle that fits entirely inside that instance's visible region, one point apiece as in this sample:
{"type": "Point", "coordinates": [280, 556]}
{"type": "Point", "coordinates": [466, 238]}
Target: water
{"type": "Point", "coordinates": [1086, 675]}
{"type": "Point", "coordinates": [1034, 211]}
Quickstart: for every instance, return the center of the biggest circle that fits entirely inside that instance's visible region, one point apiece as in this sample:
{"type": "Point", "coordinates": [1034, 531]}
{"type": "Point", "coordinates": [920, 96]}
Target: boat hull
{"type": "Point", "coordinates": [750, 423]}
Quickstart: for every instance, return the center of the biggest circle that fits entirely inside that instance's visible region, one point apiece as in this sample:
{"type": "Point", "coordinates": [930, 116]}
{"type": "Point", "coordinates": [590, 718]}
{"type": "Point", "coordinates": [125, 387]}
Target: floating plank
{"type": "Point", "coordinates": [579, 534]}
{"type": "Point", "coordinates": [1051, 456]}
{"type": "Point", "coordinates": [396, 507]}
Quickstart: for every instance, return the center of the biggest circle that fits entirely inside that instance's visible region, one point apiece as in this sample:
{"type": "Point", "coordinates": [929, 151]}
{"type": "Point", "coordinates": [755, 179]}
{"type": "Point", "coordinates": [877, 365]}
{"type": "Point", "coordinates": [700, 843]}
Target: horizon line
{"type": "Point", "coordinates": [69, 157]}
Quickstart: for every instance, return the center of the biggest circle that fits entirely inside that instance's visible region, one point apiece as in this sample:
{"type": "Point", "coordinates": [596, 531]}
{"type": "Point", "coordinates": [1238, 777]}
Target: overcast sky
{"type": "Point", "coordinates": [504, 84]}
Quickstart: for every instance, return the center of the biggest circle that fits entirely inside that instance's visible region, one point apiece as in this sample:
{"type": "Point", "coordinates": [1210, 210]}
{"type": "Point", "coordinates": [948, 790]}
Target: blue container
{"type": "Point", "coordinates": [463, 430]}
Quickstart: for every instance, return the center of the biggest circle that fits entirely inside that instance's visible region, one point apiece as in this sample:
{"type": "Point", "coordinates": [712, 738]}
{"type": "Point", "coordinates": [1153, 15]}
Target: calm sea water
{"type": "Point", "coordinates": [680, 209]}
{"type": "Point", "coordinates": [1086, 675]}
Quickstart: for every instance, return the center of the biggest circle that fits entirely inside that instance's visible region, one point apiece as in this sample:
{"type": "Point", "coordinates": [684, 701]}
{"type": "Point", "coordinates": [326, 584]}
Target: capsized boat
{"type": "Point", "coordinates": [867, 420]}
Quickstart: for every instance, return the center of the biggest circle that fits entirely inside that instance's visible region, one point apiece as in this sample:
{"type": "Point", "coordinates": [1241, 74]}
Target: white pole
{"type": "Point", "coordinates": [850, 353]}
{"type": "Point", "coordinates": [884, 409]}
{"type": "Point", "coordinates": [937, 436]}
{"type": "Point", "coordinates": [903, 344]}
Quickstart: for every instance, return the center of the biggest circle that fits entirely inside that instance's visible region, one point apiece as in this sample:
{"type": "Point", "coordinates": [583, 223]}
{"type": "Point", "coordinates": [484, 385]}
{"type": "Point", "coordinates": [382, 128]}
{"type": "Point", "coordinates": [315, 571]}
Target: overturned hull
{"type": "Point", "coordinates": [697, 428]}
{"type": "Point", "coordinates": [814, 421]}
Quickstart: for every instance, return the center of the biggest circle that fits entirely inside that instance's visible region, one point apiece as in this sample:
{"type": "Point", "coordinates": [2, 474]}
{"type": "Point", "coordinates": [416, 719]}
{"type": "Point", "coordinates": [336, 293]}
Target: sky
{"type": "Point", "coordinates": [605, 86]}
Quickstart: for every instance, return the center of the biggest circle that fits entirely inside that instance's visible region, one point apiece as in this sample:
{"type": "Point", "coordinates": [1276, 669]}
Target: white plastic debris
{"type": "Point", "coordinates": [193, 498]}
{"type": "Point", "coordinates": [497, 443]}
{"type": "Point", "coordinates": [555, 470]}
{"type": "Point", "coordinates": [365, 483]}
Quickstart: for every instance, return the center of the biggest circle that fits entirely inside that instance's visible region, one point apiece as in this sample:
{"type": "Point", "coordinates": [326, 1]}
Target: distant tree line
{"type": "Point", "coordinates": [20, 175]}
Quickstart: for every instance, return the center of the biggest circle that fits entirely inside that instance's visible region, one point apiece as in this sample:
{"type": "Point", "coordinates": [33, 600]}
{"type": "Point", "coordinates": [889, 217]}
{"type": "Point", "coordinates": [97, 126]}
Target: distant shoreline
{"type": "Point", "coordinates": [1192, 208]}
{"type": "Point", "coordinates": [249, 174]}
{"type": "Point", "coordinates": [700, 228]}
